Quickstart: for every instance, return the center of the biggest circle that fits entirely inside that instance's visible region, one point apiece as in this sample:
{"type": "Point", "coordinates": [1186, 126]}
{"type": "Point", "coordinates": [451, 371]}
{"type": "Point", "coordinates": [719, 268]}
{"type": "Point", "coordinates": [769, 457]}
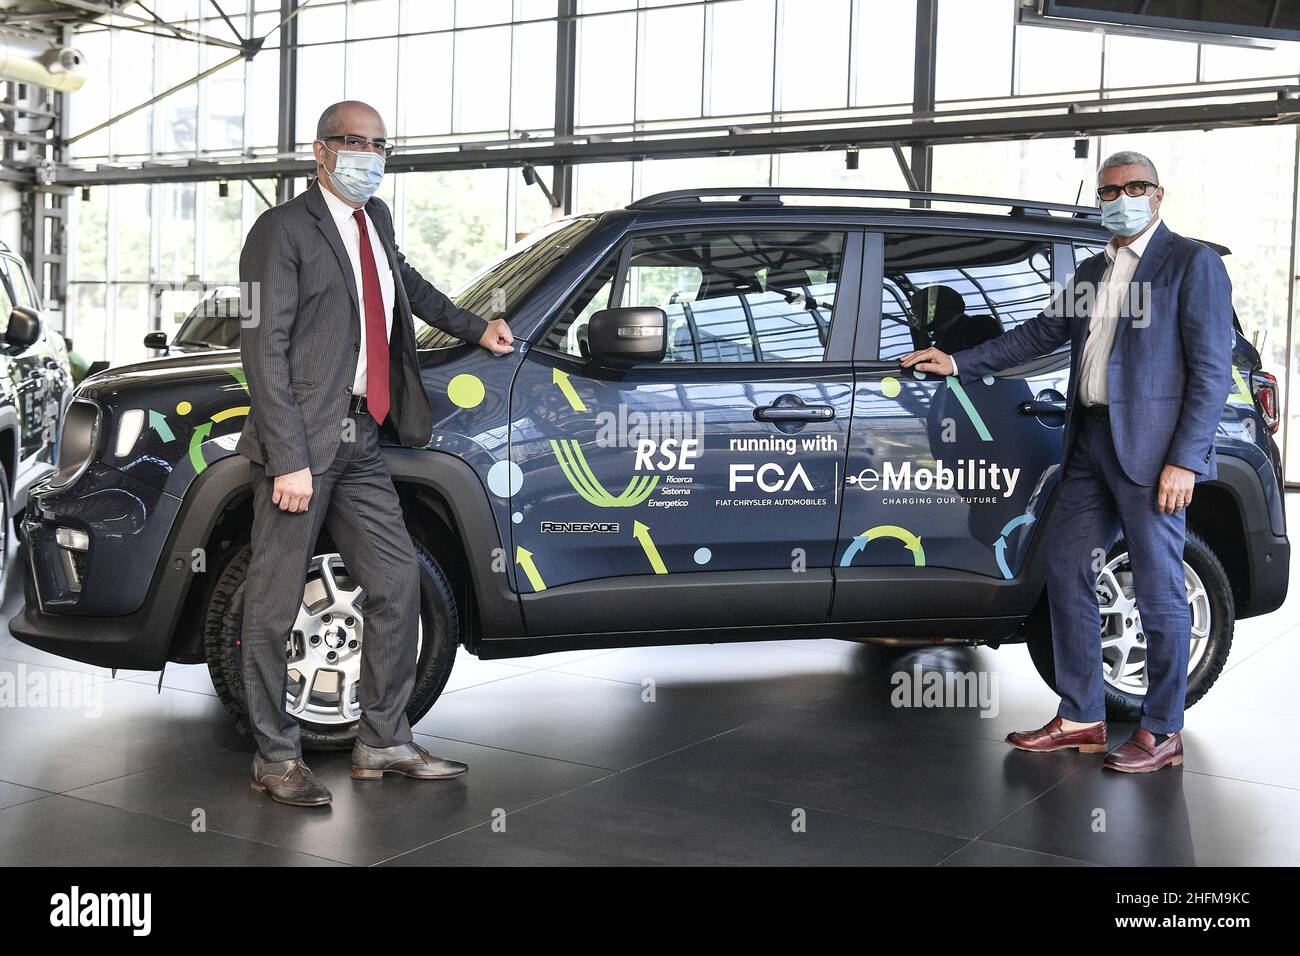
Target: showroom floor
{"type": "Point", "coordinates": [775, 753]}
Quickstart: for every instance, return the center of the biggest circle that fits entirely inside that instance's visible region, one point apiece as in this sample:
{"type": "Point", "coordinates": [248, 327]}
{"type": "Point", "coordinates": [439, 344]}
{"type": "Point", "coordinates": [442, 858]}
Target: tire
{"type": "Point", "coordinates": [4, 528]}
{"type": "Point", "coordinates": [439, 625]}
{"type": "Point", "coordinates": [1213, 616]}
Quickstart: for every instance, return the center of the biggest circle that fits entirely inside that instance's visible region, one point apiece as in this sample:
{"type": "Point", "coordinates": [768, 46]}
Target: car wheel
{"type": "Point", "coordinates": [323, 651]}
{"type": "Point", "coordinates": [1123, 645]}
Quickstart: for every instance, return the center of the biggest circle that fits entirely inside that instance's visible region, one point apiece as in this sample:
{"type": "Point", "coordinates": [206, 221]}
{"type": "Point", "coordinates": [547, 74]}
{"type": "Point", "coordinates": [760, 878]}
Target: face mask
{"type": "Point", "coordinates": [1126, 215]}
{"type": "Point", "coordinates": [356, 175]}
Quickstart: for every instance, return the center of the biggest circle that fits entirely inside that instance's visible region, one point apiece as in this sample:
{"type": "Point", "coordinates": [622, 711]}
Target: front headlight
{"type": "Point", "coordinates": [78, 441]}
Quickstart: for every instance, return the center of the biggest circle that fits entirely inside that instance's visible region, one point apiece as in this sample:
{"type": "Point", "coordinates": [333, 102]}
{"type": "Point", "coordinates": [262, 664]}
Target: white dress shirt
{"type": "Point", "coordinates": [1093, 384]}
{"type": "Point", "coordinates": [1111, 296]}
{"type": "Point", "coordinates": [351, 236]}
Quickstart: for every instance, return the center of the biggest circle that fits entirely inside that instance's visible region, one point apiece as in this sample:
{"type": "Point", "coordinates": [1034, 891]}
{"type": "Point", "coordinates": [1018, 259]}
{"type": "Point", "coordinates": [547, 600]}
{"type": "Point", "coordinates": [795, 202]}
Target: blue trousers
{"type": "Point", "coordinates": [1095, 499]}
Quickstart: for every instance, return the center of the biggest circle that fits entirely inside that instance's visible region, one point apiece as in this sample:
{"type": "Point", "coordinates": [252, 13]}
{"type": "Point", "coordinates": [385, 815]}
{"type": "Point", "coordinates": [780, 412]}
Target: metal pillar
{"type": "Point", "coordinates": [288, 127]}
{"type": "Point", "coordinates": [36, 138]}
{"type": "Point", "coordinates": [927, 21]}
{"type": "Point", "coordinates": [566, 59]}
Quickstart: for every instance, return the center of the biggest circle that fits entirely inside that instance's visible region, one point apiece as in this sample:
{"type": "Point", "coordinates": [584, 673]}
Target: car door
{"type": "Point", "coordinates": [702, 490]}
{"type": "Point", "coordinates": [946, 482]}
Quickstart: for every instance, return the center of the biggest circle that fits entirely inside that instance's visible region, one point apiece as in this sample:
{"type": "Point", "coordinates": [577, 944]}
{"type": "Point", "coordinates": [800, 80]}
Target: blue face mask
{"type": "Point", "coordinates": [1126, 215]}
{"type": "Point", "coordinates": [356, 175]}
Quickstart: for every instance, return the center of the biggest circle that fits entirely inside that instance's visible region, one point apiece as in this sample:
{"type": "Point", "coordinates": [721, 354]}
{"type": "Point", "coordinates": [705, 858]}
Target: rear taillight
{"type": "Point", "coordinates": [1264, 386]}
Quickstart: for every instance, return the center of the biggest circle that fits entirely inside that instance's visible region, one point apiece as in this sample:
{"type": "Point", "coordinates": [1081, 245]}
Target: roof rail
{"type": "Point", "coordinates": [771, 195]}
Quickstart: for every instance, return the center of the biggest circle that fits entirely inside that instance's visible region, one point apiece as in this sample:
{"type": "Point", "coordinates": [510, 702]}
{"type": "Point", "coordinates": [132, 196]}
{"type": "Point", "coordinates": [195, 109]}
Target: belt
{"type": "Point", "coordinates": [357, 405]}
{"type": "Point", "coordinates": [1097, 411]}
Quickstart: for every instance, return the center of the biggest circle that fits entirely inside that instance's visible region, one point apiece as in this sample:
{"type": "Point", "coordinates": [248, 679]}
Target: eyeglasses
{"type": "Point", "coordinates": [1137, 187]}
{"type": "Point", "coordinates": [359, 143]}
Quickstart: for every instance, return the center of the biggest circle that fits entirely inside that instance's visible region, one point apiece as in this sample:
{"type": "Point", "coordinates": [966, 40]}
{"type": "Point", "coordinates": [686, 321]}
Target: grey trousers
{"type": "Point", "coordinates": [355, 501]}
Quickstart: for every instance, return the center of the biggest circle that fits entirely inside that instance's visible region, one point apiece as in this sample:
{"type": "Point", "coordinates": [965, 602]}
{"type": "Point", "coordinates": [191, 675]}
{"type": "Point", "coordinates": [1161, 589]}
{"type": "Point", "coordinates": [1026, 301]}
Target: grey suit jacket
{"type": "Point", "coordinates": [301, 341]}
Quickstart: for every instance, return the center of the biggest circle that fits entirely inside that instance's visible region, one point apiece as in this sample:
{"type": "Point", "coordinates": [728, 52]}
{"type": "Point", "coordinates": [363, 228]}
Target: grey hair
{"type": "Point", "coordinates": [327, 124]}
{"type": "Point", "coordinates": [1129, 157]}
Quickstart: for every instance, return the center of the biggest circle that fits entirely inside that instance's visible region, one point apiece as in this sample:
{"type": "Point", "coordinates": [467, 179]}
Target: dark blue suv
{"type": "Point", "coordinates": [704, 435]}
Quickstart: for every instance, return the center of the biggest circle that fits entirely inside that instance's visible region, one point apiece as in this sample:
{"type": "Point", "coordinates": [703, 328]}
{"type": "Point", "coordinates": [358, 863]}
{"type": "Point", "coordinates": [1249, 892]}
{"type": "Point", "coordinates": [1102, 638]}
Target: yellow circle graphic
{"type": "Point", "coordinates": [184, 408]}
{"type": "Point", "coordinates": [889, 385]}
{"type": "Point", "coordinates": [466, 390]}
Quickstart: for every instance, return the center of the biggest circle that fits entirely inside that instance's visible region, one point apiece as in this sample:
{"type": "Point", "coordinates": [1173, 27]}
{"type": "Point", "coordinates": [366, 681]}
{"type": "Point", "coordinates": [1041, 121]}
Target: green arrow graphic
{"type": "Point", "coordinates": [524, 558]}
{"type": "Point", "coordinates": [158, 422]}
{"type": "Point", "coordinates": [196, 447]}
{"type": "Point", "coordinates": [572, 462]}
{"type": "Point", "coordinates": [642, 534]}
{"type": "Point", "coordinates": [575, 400]}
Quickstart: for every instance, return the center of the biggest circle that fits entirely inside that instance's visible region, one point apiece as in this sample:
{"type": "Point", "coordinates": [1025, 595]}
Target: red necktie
{"type": "Point", "coordinates": [376, 328]}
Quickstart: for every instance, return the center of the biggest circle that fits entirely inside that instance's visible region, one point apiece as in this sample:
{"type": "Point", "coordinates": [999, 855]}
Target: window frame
{"type": "Point", "coordinates": [866, 353]}
{"type": "Point", "coordinates": [840, 334]}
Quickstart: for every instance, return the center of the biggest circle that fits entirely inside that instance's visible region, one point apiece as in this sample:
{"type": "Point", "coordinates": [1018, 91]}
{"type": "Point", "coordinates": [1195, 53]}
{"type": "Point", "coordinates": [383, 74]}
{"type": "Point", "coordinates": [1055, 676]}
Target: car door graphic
{"type": "Point", "coordinates": [726, 458]}
{"type": "Point", "coordinates": [943, 475]}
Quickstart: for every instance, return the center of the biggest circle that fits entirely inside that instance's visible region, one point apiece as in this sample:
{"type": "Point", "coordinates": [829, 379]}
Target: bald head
{"type": "Point", "coordinates": [350, 116]}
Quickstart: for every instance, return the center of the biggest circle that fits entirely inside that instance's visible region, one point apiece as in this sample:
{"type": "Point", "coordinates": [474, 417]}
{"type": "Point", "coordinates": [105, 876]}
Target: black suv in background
{"type": "Point", "coordinates": [703, 435]}
{"type": "Point", "coordinates": [35, 385]}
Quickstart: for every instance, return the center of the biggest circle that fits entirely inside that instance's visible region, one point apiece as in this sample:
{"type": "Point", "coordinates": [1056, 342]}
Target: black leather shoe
{"type": "Point", "coordinates": [410, 760]}
{"type": "Point", "coordinates": [289, 781]}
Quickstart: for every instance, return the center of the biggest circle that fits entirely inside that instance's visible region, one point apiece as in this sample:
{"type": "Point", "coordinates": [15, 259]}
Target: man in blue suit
{"type": "Point", "coordinates": [1149, 322]}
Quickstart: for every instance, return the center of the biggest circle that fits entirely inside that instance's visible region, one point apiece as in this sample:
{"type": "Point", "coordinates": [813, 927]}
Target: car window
{"type": "Point", "coordinates": [1083, 253]}
{"type": "Point", "coordinates": [16, 279]}
{"type": "Point", "coordinates": [6, 303]}
{"type": "Point", "coordinates": [214, 323]}
{"type": "Point", "coordinates": [955, 292]}
{"type": "Point", "coordinates": [758, 295]}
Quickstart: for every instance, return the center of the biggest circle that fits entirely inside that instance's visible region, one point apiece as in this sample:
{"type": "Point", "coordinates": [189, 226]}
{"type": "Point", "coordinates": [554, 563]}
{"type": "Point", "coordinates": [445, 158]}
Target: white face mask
{"type": "Point", "coordinates": [357, 174]}
{"type": "Point", "coordinates": [1126, 215]}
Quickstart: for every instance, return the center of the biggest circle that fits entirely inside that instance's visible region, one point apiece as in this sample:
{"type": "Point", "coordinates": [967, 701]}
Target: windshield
{"type": "Point", "coordinates": [213, 324]}
{"type": "Point", "coordinates": [497, 289]}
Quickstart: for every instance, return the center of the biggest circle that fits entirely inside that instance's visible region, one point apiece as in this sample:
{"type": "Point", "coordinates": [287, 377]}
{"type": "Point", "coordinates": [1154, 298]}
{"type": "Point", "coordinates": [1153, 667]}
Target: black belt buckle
{"type": "Point", "coordinates": [357, 405]}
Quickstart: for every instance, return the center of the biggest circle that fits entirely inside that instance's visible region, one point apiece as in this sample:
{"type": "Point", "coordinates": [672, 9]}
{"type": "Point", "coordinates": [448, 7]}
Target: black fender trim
{"type": "Point", "coordinates": [1268, 555]}
{"type": "Point", "coordinates": [467, 506]}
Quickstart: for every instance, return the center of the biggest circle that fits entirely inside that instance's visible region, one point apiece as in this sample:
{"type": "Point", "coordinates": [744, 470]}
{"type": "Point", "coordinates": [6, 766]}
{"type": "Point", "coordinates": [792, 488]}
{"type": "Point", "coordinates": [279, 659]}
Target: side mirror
{"type": "Point", "coordinates": [24, 328]}
{"type": "Point", "coordinates": [628, 336]}
{"type": "Point", "coordinates": [155, 340]}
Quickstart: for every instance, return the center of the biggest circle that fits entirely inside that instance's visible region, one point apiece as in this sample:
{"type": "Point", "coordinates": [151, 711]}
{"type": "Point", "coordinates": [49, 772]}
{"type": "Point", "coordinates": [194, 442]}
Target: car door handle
{"type": "Point", "coordinates": [794, 413]}
{"type": "Point", "coordinates": [1042, 409]}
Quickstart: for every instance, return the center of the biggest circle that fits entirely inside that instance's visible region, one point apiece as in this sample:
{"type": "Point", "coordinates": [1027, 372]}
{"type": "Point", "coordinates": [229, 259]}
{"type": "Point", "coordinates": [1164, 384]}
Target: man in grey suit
{"type": "Point", "coordinates": [330, 357]}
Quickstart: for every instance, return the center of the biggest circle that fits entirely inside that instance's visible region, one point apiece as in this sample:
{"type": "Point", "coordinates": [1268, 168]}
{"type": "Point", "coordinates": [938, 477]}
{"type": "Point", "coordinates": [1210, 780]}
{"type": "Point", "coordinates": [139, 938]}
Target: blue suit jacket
{"type": "Point", "coordinates": [1170, 368]}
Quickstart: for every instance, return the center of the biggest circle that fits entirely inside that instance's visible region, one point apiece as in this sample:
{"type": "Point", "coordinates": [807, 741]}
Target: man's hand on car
{"type": "Point", "coordinates": [292, 491]}
{"type": "Point", "coordinates": [929, 360]}
{"type": "Point", "coordinates": [498, 337]}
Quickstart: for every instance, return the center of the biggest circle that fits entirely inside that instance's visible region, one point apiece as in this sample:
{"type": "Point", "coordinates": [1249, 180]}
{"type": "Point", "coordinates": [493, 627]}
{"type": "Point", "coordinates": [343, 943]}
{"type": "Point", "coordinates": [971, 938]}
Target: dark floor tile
{"type": "Point", "coordinates": [368, 821]}
{"type": "Point", "coordinates": [989, 706]}
{"type": "Point", "coordinates": [639, 819]}
{"type": "Point", "coordinates": [1252, 745]}
{"type": "Point", "coordinates": [944, 784]}
{"type": "Point", "coordinates": [778, 673]}
{"type": "Point", "coordinates": [108, 729]}
{"type": "Point", "coordinates": [11, 794]}
{"type": "Point", "coordinates": [1264, 681]}
{"type": "Point", "coordinates": [1168, 818]}
{"type": "Point", "coordinates": [979, 853]}
{"type": "Point", "coordinates": [194, 678]}
{"type": "Point", "coordinates": [586, 720]}
{"type": "Point", "coordinates": [64, 831]}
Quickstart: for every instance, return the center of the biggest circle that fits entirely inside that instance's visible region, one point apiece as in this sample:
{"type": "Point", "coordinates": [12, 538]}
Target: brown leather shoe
{"type": "Point", "coordinates": [1088, 740]}
{"type": "Point", "coordinates": [1141, 754]}
{"type": "Point", "coordinates": [289, 781]}
{"type": "Point", "coordinates": [409, 760]}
